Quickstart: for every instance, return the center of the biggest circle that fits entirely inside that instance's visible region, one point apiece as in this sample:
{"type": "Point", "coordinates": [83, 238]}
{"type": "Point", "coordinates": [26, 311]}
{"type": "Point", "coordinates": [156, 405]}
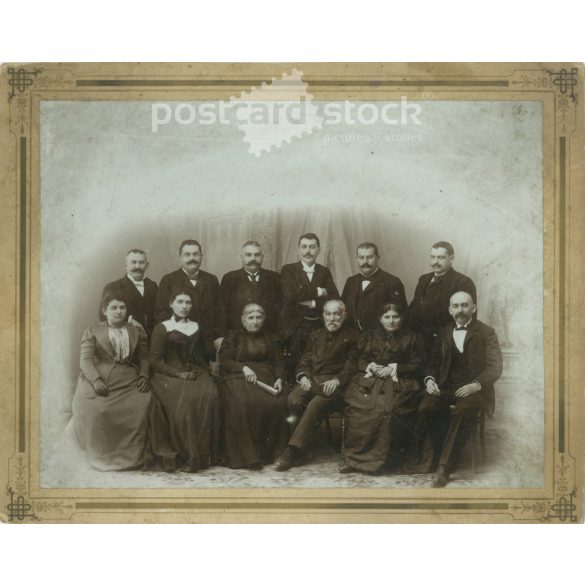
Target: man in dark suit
{"type": "Point", "coordinates": [429, 309]}
{"type": "Point", "coordinates": [137, 291]}
{"type": "Point", "coordinates": [306, 287]}
{"type": "Point", "coordinates": [249, 284]}
{"type": "Point", "coordinates": [366, 292]}
{"type": "Point", "coordinates": [204, 285]}
{"type": "Point", "coordinates": [321, 375]}
{"type": "Point", "coordinates": [465, 363]}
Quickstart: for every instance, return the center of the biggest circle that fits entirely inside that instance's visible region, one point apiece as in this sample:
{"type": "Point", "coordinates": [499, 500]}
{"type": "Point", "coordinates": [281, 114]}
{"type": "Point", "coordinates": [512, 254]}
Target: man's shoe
{"type": "Point", "coordinates": [286, 460]}
{"type": "Point", "coordinates": [441, 477]}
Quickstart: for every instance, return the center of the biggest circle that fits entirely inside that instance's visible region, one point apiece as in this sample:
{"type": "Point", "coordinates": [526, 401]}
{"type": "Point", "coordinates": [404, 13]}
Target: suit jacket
{"type": "Point", "coordinates": [296, 287]}
{"type": "Point", "coordinates": [140, 307]}
{"type": "Point", "coordinates": [236, 291]}
{"type": "Point", "coordinates": [327, 357]}
{"type": "Point", "coordinates": [383, 288]}
{"type": "Point", "coordinates": [428, 316]}
{"type": "Point", "coordinates": [205, 296]}
{"type": "Point", "coordinates": [483, 357]}
{"type": "Point", "coordinates": [96, 347]}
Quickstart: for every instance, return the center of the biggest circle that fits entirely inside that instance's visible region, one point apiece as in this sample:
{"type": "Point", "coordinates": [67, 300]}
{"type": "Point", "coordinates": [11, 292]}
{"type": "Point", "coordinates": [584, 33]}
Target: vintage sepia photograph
{"type": "Point", "coordinates": [293, 289]}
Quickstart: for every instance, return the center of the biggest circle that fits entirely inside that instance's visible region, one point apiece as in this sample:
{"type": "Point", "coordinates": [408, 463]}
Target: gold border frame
{"type": "Point", "coordinates": [560, 89]}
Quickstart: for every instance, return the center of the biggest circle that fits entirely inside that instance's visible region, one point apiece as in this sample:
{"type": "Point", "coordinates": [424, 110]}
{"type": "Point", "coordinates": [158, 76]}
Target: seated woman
{"type": "Point", "coordinates": [111, 400]}
{"type": "Point", "coordinates": [255, 427]}
{"type": "Point", "coordinates": [184, 419]}
{"type": "Point", "coordinates": [381, 402]}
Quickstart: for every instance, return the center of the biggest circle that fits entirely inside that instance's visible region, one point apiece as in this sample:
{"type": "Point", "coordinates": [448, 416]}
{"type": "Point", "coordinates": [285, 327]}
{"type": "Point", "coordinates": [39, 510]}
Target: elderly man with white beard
{"type": "Point", "coordinates": [321, 375]}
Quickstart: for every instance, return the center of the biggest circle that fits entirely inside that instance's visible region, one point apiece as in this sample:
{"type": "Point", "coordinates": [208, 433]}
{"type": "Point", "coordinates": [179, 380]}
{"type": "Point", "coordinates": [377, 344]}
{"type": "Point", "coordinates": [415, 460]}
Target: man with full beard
{"type": "Point", "coordinates": [249, 284]}
{"type": "Point", "coordinates": [321, 376]}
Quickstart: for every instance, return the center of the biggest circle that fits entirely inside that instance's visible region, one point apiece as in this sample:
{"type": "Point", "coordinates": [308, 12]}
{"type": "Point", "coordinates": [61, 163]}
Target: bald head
{"type": "Point", "coordinates": [461, 307]}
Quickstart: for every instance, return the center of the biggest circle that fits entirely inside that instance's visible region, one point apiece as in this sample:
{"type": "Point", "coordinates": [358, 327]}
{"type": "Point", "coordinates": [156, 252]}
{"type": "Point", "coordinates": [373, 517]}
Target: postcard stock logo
{"type": "Point", "coordinates": [282, 110]}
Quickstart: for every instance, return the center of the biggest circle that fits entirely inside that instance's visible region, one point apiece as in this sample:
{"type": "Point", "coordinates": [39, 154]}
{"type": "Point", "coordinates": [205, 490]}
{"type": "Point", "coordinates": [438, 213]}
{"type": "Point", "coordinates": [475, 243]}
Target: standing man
{"type": "Point", "coordinates": [365, 293]}
{"type": "Point", "coordinates": [306, 287]}
{"type": "Point", "coordinates": [137, 291]}
{"type": "Point", "coordinates": [429, 309]}
{"type": "Point", "coordinates": [465, 363]}
{"type": "Point", "coordinates": [204, 285]}
{"type": "Point", "coordinates": [321, 376]}
{"type": "Point", "coordinates": [249, 284]}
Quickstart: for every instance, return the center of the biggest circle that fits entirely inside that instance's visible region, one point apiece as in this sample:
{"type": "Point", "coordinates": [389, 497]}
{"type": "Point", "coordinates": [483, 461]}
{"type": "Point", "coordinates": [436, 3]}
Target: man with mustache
{"type": "Point", "coordinates": [205, 292]}
{"type": "Point", "coordinates": [249, 284]}
{"type": "Point", "coordinates": [321, 376]}
{"type": "Point", "coordinates": [429, 308]}
{"type": "Point", "coordinates": [465, 363]}
{"type": "Point", "coordinates": [137, 291]}
{"type": "Point", "coordinates": [365, 293]}
{"type": "Point", "coordinates": [306, 287]}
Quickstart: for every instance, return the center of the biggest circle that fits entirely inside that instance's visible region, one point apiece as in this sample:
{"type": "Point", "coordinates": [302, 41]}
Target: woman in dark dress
{"type": "Point", "coordinates": [381, 402]}
{"type": "Point", "coordinates": [112, 397]}
{"type": "Point", "coordinates": [255, 427]}
{"type": "Point", "coordinates": [185, 415]}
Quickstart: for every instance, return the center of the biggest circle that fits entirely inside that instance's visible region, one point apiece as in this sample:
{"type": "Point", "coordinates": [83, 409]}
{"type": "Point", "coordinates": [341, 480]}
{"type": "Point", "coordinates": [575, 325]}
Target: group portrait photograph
{"type": "Point", "coordinates": [362, 312]}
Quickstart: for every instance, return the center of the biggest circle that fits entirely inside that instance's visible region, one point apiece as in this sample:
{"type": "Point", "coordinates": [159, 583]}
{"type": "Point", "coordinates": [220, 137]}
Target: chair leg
{"type": "Point", "coordinates": [342, 435]}
{"type": "Point", "coordinates": [473, 447]}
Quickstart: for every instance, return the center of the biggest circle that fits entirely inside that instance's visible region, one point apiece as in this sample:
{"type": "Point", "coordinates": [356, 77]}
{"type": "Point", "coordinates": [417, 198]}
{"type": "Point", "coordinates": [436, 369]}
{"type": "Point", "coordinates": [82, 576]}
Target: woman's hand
{"type": "Point", "coordinates": [383, 372]}
{"type": "Point", "coordinates": [278, 385]}
{"type": "Point", "coordinates": [100, 387]}
{"type": "Point", "coordinates": [305, 383]}
{"type": "Point", "coordinates": [372, 369]}
{"type": "Point", "coordinates": [189, 376]}
{"type": "Point", "coordinates": [250, 375]}
{"type": "Point", "coordinates": [143, 384]}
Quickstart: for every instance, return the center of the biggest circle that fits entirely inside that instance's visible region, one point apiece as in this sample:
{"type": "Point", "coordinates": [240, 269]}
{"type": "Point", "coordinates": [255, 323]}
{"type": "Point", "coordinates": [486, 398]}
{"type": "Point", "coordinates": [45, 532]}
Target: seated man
{"type": "Point", "coordinates": [465, 363]}
{"type": "Point", "coordinates": [321, 375]}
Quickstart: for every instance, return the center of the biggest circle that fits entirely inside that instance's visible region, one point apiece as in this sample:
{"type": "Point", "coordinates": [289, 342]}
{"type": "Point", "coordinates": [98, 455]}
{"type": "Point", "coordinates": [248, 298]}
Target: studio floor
{"type": "Point", "coordinates": [65, 466]}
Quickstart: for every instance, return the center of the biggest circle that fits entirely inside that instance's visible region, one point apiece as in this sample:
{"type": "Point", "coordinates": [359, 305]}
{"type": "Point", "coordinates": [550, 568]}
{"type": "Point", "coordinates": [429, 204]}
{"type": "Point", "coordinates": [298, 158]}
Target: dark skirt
{"type": "Point", "coordinates": [255, 427]}
{"type": "Point", "coordinates": [184, 423]}
{"type": "Point", "coordinates": [380, 419]}
{"type": "Point", "coordinates": [112, 429]}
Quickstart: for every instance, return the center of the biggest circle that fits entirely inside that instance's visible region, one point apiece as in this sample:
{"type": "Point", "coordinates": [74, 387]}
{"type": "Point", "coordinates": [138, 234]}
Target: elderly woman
{"type": "Point", "coordinates": [185, 417]}
{"type": "Point", "coordinates": [255, 427]}
{"type": "Point", "coordinates": [111, 400]}
{"type": "Point", "coordinates": [382, 400]}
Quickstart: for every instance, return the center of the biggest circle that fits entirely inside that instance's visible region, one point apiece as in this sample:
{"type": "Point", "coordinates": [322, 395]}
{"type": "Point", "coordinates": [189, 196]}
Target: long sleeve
{"type": "Point", "coordinates": [225, 300]}
{"type": "Point", "coordinates": [141, 352]}
{"type": "Point", "coordinates": [291, 291]}
{"type": "Point", "coordinates": [332, 292]}
{"type": "Point", "coordinates": [162, 310]}
{"type": "Point", "coordinates": [158, 350]}
{"type": "Point", "coordinates": [414, 366]}
{"type": "Point", "coordinates": [493, 358]}
{"type": "Point", "coordinates": [401, 297]}
{"type": "Point", "coordinates": [305, 366]}
{"type": "Point", "coordinates": [228, 360]}
{"type": "Point", "coordinates": [363, 355]}
{"type": "Point", "coordinates": [87, 356]}
{"type": "Point", "coordinates": [350, 366]}
{"type": "Point", "coordinates": [433, 368]}
{"type": "Point", "coordinates": [277, 357]}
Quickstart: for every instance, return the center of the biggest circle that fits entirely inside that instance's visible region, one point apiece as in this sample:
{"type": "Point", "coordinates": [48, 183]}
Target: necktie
{"type": "Point", "coordinates": [462, 328]}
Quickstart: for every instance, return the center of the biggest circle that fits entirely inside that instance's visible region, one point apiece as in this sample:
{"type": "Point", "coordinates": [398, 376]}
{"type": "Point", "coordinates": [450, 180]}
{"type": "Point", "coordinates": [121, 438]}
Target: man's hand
{"type": "Point", "coordinates": [321, 292]}
{"type": "Point", "coordinates": [306, 303]}
{"type": "Point", "coordinates": [100, 387]}
{"type": "Point", "coordinates": [330, 386]}
{"type": "Point", "coordinates": [305, 383]}
{"type": "Point", "coordinates": [217, 343]}
{"type": "Point", "coordinates": [383, 372]}
{"type": "Point", "coordinates": [250, 375]}
{"type": "Point", "coordinates": [189, 376]}
{"type": "Point", "coordinates": [467, 390]}
{"type": "Point", "coordinates": [432, 388]}
{"type": "Point", "coordinates": [278, 385]}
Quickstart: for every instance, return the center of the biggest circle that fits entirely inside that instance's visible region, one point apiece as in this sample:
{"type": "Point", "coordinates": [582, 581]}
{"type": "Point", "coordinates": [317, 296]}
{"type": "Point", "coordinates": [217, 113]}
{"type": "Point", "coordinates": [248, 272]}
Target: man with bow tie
{"type": "Point", "coordinates": [429, 308]}
{"type": "Point", "coordinates": [322, 374]}
{"type": "Point", "coordinates": [465, 363]}
{"type": "Point", "coordinates": [137, 291]}
{"type": "Point", "coordinates": [249, 284]}
{"type": "Point", "coordinates": [204, 285]}
{"type": "Point", "coordinates": [369, 290]}
{"type": "Point", "coordinates": [306, 287]}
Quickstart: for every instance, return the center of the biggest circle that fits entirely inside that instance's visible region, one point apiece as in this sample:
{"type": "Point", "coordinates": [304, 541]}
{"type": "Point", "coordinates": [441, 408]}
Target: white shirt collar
{"type": "Point", "coordinates": [308, 268]}
{"type": "Point", "coordinates": [190, 276]}
{"type": "Point", "coordinates": [371, 275]}
{"type": "Point", "coordinates": [466, 325]}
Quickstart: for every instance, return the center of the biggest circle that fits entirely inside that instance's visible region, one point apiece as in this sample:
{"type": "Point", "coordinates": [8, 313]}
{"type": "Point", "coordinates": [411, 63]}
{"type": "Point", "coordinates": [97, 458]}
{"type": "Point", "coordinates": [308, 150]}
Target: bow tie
{"type": "Point", "coordinates": [462, 328]}
{"type": "Point", "coordinates": [253, 277]}
{"type": "Point", "coordinates": [309, 270]}
{"type": "Point", "coordinates": [193, 276]}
